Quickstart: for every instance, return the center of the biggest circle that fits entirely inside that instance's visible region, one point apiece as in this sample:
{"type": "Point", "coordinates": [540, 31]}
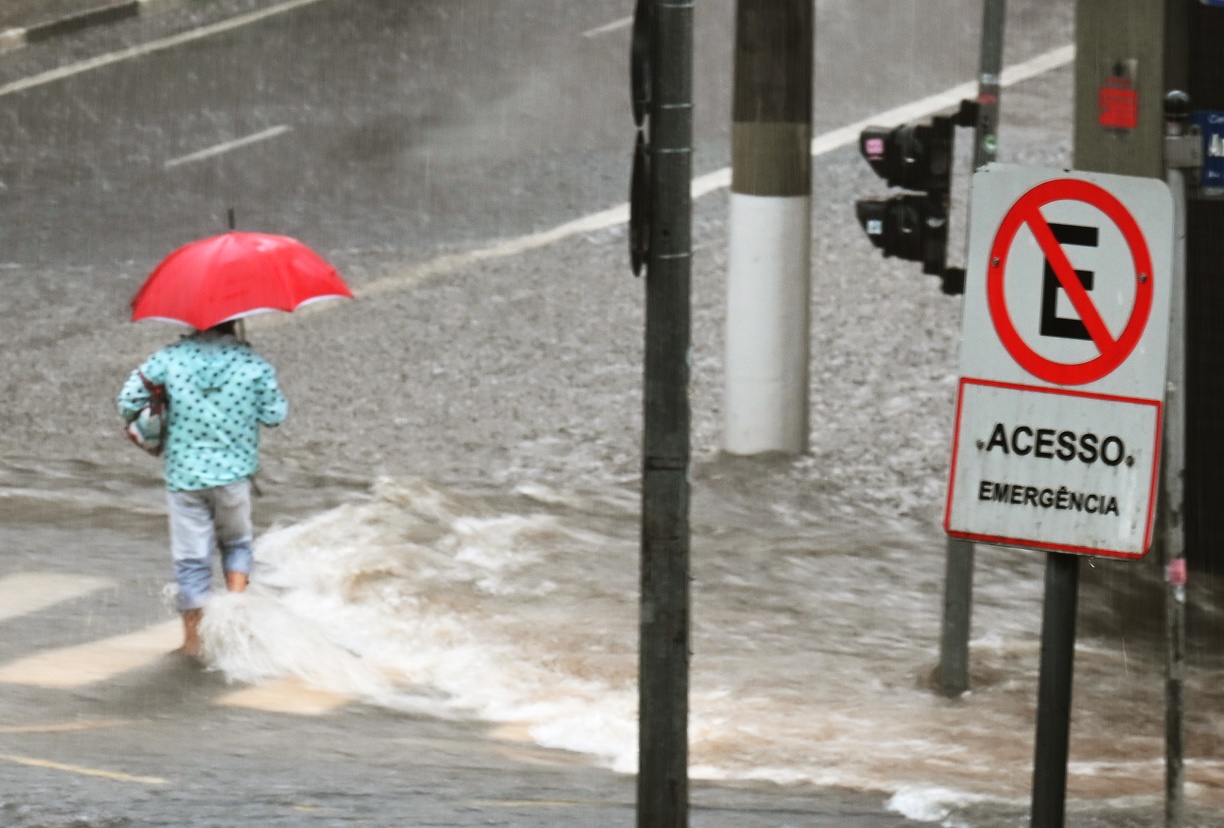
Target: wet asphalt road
{"type": "Point", "coordinates": [408, 127]}
{"type": "Point", "coordinates": [399, 117]}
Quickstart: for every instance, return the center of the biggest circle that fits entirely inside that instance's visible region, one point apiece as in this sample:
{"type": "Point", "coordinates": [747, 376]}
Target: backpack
{"type": "Point", "coordinates": [148, 428]}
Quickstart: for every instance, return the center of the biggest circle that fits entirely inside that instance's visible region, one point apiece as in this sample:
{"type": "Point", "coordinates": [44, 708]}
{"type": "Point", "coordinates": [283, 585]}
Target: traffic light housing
{"type": "Point", "coordinates": [912, 157]}
{"type": "Point", "coordinates": [913, 226]}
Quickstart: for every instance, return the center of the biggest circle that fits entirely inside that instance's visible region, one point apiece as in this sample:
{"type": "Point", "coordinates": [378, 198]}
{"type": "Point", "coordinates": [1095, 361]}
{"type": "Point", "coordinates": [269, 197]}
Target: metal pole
{"type": "Point", "coordinates": [1054, 691]}
{"type": "Point", "coordinates": [1181, 153]}
{"type": "Point", "coordinates": [1175, 560]}
{"type": "Point", "coordinates": [662, 785]}
{"type": "Point", "coordinates": [953, 672]}
{"type": "Point", "coordinates": [986, 132]}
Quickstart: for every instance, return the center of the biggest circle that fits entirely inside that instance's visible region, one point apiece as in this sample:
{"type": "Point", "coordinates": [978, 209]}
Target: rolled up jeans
{"type": "Point", "coordinates": [200, 522]}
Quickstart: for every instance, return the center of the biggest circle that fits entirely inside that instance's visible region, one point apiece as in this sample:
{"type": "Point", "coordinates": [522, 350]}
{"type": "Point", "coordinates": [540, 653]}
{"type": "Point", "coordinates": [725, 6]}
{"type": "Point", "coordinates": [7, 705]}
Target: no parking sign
{"type": "Point", "coordinates": [1063, 348]}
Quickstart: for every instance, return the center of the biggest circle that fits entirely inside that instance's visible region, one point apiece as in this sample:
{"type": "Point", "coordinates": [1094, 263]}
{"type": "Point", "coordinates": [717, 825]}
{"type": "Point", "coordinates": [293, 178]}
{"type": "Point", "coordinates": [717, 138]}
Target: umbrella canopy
{"type": "Point", "coordinates": [234, 275]}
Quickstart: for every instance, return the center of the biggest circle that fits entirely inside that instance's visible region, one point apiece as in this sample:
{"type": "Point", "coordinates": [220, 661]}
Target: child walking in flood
{"type": "Point", "coordinates": [220, 392]}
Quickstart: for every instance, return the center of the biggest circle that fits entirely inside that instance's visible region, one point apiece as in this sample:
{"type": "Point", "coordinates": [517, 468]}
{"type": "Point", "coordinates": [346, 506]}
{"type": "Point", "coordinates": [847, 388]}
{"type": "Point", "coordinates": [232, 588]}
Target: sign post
{"type": "Point", "coordinates": [1183, 160]}
{"type": "Point", "coordinates": [1059, 415]}
{"type": "Point", "coordinates": [1054, 690]}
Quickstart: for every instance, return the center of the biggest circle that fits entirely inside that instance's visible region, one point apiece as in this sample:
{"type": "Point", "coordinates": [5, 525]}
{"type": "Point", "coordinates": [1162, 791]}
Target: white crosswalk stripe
{"type": "Point", "coordinates": [91, 662]}
{"type": "Point", "coordinates": [25, 592]}
{"type": "Point", "coordinates": [83, 664]}
{"type": "Point", "coordinates": [285, 696]}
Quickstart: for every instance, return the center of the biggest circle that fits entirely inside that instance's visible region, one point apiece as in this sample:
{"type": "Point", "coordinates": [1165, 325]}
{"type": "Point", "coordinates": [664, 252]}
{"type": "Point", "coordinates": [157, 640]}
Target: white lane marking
{"type": "Point", "coordinates": [713, 181]}
{"type": "Point", "coordinates": [83, 771]}
{"type": "Point", "coordinates": [455, 261]}
{"type": "Point", "coordinates": [150, 47]}
{"type": "Point", "coordinates": [26, 592]}
{"type": "Point", "coordinates": [225, 147]}
{"type": "Point", "coordinates": [1039, 65]}
{"type": "Point", "coordinates": [611, 27]}
{"type": "Point", "coordinates": [95, 661]}
{"type": "Point", "coordinates": [285, 696]}
{"type": "Point", "coordinates": [66, 727]}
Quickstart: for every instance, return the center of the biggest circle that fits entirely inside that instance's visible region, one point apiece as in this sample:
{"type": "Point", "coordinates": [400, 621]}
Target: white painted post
{"type": "Point", "coordinates": [766, 386]}
{"type": "Point", "coordinates": [765, 408]}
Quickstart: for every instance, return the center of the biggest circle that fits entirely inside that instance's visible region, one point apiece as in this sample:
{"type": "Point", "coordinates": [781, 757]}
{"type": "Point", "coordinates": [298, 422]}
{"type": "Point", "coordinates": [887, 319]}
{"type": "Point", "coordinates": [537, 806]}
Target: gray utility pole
{"type": "Point", "coordinates": [953, 673]}
{"type": "Point", "coordinates": [766, 385]}
{"type": "Point", "coordinates": [1119, 86]}
{"type": "Point", "coordinates": [662, 784]}
{"type": "Point", "coordinates": [1127, 53]}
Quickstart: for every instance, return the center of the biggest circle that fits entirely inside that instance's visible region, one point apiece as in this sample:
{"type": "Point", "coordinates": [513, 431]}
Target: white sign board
{"type": "Point", "coordinates": [1064, 341]}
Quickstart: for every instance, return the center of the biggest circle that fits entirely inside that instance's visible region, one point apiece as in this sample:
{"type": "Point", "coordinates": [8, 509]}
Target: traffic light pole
{"type": "Point", "coordinates": [662, 784]}
{"type": "Point", "coordinates": [986, 144]}
{"type": "Point", "coordinates": [953, 672]}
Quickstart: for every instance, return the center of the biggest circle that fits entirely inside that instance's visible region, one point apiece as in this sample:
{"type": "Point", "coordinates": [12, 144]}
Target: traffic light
{"type": "Point", "coordinates": [913, 226]}
{"type": "Point", "coordinates": [914, 156]}
{"type": "Point", "coordinates": [910, 227]}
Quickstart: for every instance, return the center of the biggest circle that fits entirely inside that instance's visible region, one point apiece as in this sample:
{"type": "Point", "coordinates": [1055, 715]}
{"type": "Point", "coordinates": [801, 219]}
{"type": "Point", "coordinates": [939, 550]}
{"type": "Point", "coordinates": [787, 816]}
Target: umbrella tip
{"type": "Point", "coordinates": [230, 218]}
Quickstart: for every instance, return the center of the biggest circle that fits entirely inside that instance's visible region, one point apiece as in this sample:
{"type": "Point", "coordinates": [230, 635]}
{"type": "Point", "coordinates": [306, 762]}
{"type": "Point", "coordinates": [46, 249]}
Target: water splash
{"type": "Point", "coordinates": [813, 647]}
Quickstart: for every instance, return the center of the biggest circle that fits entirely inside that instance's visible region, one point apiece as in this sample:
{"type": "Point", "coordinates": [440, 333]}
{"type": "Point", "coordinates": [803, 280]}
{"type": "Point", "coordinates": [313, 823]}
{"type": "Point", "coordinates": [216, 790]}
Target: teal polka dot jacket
{"type": "Point", "coordinates": [220, 393]}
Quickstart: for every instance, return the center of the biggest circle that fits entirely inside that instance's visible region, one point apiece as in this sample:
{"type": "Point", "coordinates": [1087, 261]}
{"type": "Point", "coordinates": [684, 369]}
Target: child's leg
{"type": "Point", "coordinates": [191, 542]}
{"type": "Point", "coordinates": [232, 516]}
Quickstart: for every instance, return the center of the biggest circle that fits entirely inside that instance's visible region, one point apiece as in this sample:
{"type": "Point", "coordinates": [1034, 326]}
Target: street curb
{"type": "Point", "coordinates": [12, 39]}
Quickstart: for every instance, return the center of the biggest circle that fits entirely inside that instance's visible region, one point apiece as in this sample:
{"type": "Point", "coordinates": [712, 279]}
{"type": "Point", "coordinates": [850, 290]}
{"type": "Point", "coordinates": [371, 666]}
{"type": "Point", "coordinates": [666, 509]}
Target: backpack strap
{"type": "Point", "coordinates": [158, 392]}
{"type": "Point", "coordinates": [157, 405]}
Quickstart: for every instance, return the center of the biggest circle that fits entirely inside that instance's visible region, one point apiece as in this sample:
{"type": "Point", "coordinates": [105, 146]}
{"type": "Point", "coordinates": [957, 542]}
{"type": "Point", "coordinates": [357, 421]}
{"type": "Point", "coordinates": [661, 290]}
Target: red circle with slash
{"type": "Point", "coordinates": [1113, 351]}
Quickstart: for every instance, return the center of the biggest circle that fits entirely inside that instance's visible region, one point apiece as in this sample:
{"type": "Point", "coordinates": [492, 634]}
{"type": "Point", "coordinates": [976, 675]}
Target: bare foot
{"type": "Point", "coordinates": [191, 633]}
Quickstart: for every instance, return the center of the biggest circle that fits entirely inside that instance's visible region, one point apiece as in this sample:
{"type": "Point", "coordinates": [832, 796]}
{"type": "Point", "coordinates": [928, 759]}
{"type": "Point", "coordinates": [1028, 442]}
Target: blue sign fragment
{"type": "Point", "coordinates": [1211, 124]}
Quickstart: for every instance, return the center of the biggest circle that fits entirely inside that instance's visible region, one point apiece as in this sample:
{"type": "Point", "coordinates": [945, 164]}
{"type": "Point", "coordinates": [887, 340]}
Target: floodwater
{"type": "Point", "coordinates": [813, 640]}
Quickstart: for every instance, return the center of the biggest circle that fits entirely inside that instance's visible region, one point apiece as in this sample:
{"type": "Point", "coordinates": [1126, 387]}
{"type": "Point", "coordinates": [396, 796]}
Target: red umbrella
{"type": "Point", "coordinates": [233, 275]}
